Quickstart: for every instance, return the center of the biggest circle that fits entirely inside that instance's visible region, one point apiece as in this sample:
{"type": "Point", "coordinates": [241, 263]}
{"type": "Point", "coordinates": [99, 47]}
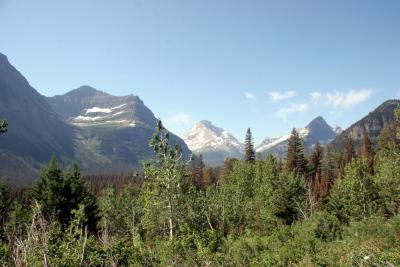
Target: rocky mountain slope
{"type": "Point", "coordinates": [370, 124]}
{"type": "Point", "coordinates": [35, 131]}
{"type": "Point", "coordinates": [214, 143]}
{"type": "Point", "coordinates": [112, 131]}
{"type": "Point", "coordinates": [103, 133]}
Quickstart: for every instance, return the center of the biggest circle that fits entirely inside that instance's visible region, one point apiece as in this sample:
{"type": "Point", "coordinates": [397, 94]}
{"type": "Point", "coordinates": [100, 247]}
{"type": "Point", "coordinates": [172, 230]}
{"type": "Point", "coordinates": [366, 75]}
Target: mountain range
{"type": "Point", "coordinates": [216, 144]}
{"type": "Point", "coordinates": [108, 134]}
{"type": "Point", "coordinates": [101, 132]}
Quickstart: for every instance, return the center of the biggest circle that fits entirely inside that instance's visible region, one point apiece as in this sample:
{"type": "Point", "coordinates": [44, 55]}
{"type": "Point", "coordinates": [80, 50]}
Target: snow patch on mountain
{"type": "Point", "coordinates": [316, 130]}
{"type": "Point", "coordinates": [98, 110]}
{"type": "Point", "coordinates": [271, 142]}
{"type": "Point", "coordinates": [337, 129]}
{"type": "Point", "coordinates": [104, 115]}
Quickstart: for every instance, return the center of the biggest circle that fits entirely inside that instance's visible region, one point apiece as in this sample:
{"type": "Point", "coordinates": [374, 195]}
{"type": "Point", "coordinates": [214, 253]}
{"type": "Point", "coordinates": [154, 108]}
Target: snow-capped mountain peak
{"type": "Point", "coordinates": [205, 136]}
{"type": "Point", "coordinates": [213, 142]}
{"type": "Point", "coordinates": [316, 130]}
{"type": "Point", "coordinates": [337, 129]}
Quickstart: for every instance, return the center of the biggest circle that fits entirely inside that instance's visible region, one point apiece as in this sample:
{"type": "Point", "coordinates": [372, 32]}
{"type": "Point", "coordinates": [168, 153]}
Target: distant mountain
{"type": "Point", "coordinates": [371, 124]}
{"type": "Point", "coordinates": [316, 130]}
{"type": "Point", "coordinates": [337, 129]}
{"type": "Point", "coordinates": [214, 143]}
{"type": "Point", "coordinates": [112, 131]}
{"type": "Point", "coordinates": [87, 106]}
{"type": "Point", "coordinates": [103, 133]}
{"type": "Point", "coordinates": [35, 131]}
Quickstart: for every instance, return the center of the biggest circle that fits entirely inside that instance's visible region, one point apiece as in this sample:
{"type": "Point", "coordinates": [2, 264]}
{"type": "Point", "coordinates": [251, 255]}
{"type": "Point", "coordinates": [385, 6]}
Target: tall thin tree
{"type": "Point", "coordinates": [249, 153]}
{"type": "Point", "coordinates": [315, 170]}
{"type": "Point", "coordinates": [367, 152]}
{"type": "Point", "coordinates": [295, 158]}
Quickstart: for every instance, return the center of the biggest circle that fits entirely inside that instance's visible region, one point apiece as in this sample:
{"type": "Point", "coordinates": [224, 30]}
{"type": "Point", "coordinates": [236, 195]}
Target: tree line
{"type": "Point", "coordinates": [331, 208]}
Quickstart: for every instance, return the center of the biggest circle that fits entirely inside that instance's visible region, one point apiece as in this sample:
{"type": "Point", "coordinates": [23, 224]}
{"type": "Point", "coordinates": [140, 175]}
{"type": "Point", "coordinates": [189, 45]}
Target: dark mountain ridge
{"type": "Point", "coordinates": [371, 124]}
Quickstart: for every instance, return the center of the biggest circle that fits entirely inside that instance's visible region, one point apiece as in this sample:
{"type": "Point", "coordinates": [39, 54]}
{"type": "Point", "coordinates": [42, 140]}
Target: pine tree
{"type": "Point", "coordinates": [209, 177]}
{"type": "Point", "coordinates": [250, 154]}
{"type": "Point", "coordinates": [77, 194]}
{"type": "Point", "coordinates": [58, 195]}
{"type": "Point", "coordinates": [387, 140]}
{"type": "Point", "coordinates": [197, 171]}
{"type": "Point", "coordinates": [227, 168]}
{"type": "Point", "coordinates": [367, 152]}
{"type": "Point", "coordinates": [327, 172]}
{"type": "Point", "coordinates": [4, 206]}
{"type": "Point", "coordinates": [315, 161]}
{"type": "Point", "coordinates": [314, 170]}
{"type": "Point", "coordinates": [3, 126]}
{"type": "Point", "coordinates": [348, 154]}
{"type": "Point", "coordinates": [295, 159]}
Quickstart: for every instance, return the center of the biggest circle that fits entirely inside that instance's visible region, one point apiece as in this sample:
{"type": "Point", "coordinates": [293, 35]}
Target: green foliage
{"type": "Point", "coordinates": [59, 194]}
{"type": "Point", "coordinates": [354, 195]}
{"type": "Point", "coordinates": [295, 159]}
{"type": "Point", "coordinates": [255, 214]}
{"type": "Point", "coordinates": [387, 181]}
{"type": "Point", "coordinates": [164, 187]}
{"type": "Point", "coordinates": [4, 206]}
{"type": "Point", "coordinates": [249, 152]}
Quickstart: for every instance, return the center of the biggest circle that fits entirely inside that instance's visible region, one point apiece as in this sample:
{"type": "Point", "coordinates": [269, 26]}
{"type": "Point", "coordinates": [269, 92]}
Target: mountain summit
{"type": "Point", "coordinates": [317, 130]}
{"type": "Point", "coordinates": [112, 131]}
{"type": "Point", "coordinates": [214, 143]}
{"type": "Point", "coordinates": [86, 106]}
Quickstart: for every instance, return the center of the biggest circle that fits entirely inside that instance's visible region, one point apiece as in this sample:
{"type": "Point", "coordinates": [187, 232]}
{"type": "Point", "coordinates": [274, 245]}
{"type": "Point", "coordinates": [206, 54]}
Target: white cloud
{"type": "Point", "coordinates": [250, 96]}
{"type": "Point", "coordinates": [315, 96]}
{"type": "Point", "coordinates": [293, 107]}
{"type": "Point", "coordinates": [276, 96]}
{"type": "Point", "coordinates": [347, 99]}
{"type": "Point", "coordinates": [179, 119]}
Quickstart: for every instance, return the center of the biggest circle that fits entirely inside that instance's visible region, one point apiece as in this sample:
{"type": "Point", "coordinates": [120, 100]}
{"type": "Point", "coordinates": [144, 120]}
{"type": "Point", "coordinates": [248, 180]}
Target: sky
{"type": "Point", "coordinates": [267, 65]}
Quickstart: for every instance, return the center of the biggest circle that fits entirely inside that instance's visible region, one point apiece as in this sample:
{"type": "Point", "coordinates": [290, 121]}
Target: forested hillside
{"type": "Point", "coordinates": [331, 209]}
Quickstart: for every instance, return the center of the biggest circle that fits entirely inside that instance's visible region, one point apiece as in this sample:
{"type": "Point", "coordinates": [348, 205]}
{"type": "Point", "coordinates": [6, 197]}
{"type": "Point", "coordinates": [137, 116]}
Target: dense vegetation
{"type": "Point", "coordinates": [330, 209]}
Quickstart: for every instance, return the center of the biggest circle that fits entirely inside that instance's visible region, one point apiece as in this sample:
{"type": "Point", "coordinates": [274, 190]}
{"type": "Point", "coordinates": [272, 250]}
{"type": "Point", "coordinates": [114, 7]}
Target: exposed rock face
{"type": "Point", "coordinates": [370, 124]}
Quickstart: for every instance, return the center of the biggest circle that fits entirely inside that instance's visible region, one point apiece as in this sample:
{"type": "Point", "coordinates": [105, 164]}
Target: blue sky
{"type": "Point", "coordinates": [268, 65]}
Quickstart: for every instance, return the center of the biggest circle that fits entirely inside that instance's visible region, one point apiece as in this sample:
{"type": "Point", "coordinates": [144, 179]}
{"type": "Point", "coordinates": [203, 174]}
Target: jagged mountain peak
{"type": "Point", "coordinates": [213, 142]}
{"type": "Point", "coordinates": [316, 130]}
{"type": "Point", "coordinates": [319, 130]}
{"type": "Point", "coordinates": [205, 125]}
{"type": "Point", "coordinates": [317, 122]}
